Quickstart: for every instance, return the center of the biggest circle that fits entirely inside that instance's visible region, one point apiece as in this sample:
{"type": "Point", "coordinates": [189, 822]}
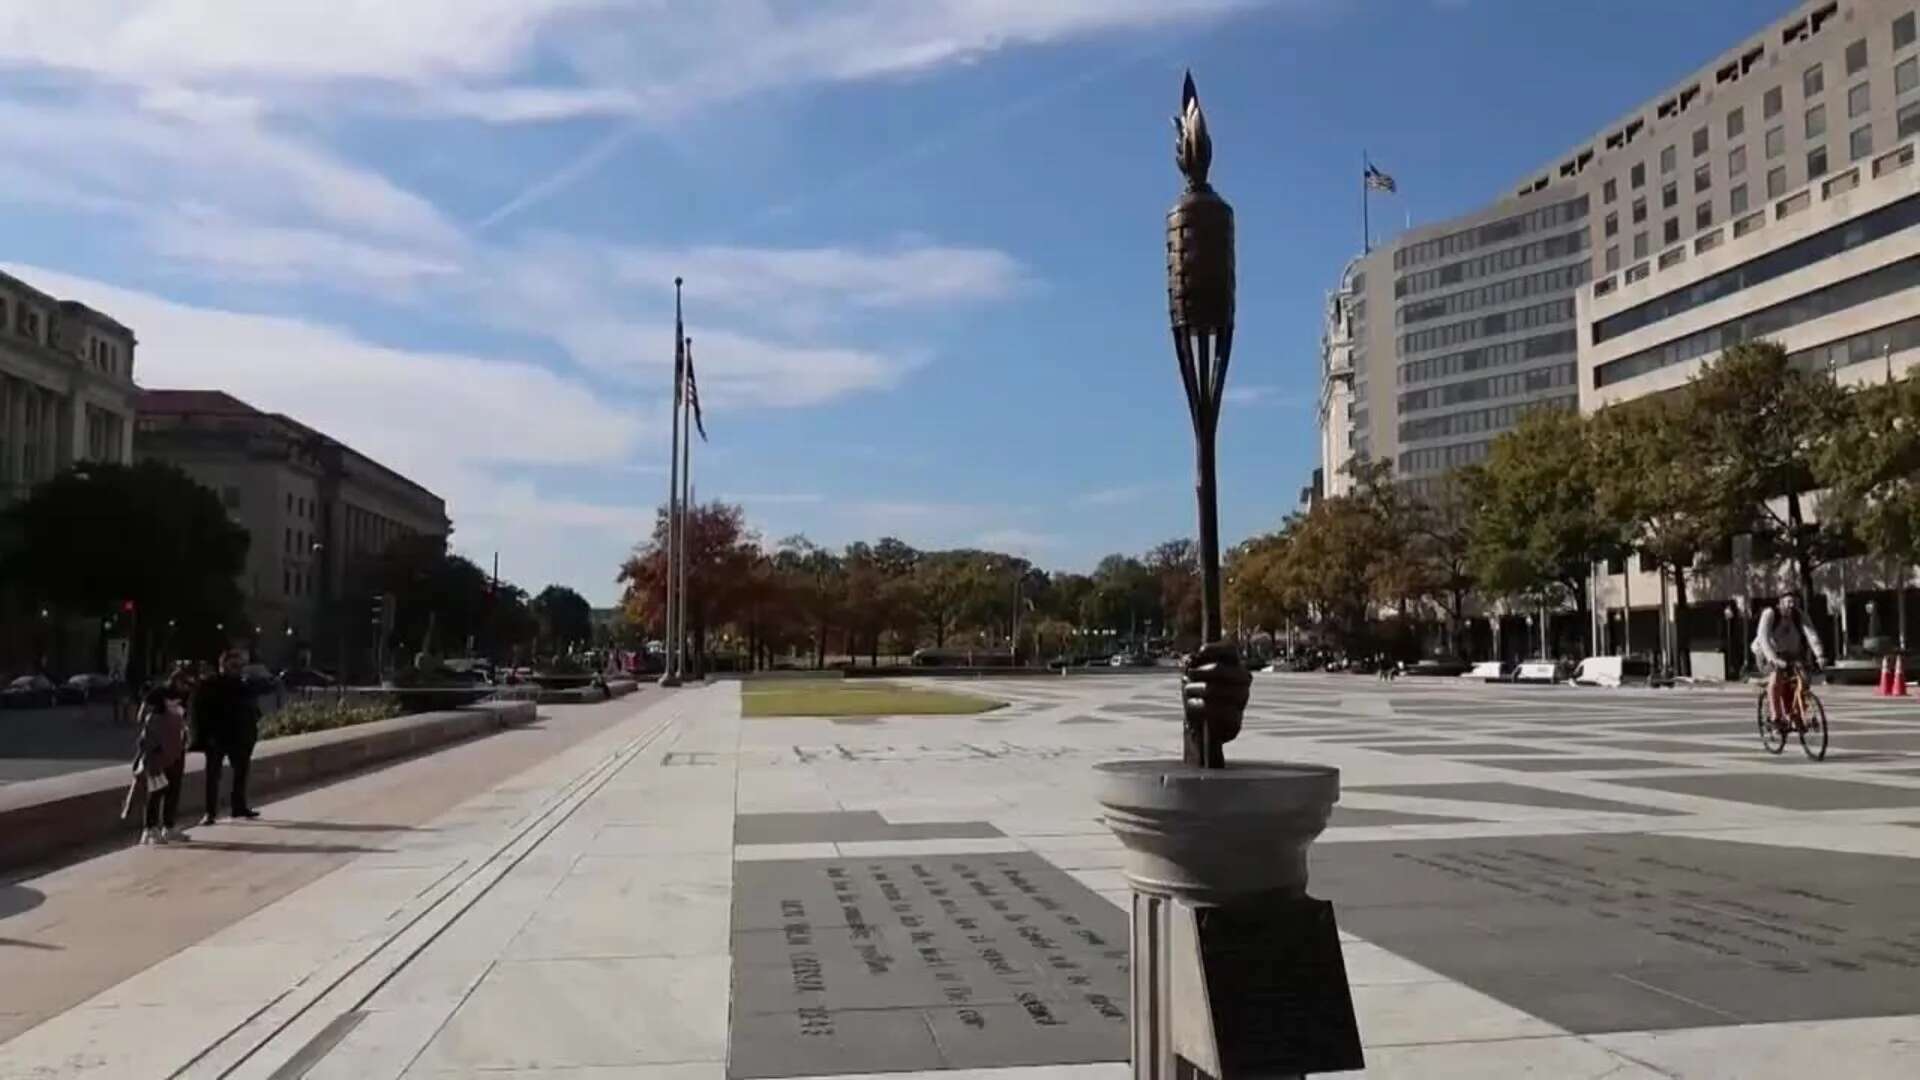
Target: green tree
{"type": "Point", "coordinates": [1125, 595]}
{"type": "Point", "coordinates": [1331, 564]}
{"type": "Point", "coordinates": [1256, 591]}
{"type": "Point", "coordinates": [97, 536]}
{"type": "Point", "coordinates": [564, 616]}
{"type": "Point", "coordinates": [1538, 528]}
{"type": "Point", "coordinates": [1439, 545]}
{"type": "Point", "coordinates": [1762, 423]}
{"type": "Point", "coordinates": [1175, 566]}
{"type": "Point", "coordinates": [1655, 488]}
{"type": "Point", "coordinates": [1871, 471]}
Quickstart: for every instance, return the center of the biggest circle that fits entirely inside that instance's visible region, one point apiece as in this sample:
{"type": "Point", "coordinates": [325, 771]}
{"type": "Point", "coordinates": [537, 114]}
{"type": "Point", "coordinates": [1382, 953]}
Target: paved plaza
{"type": "Point", "coordinates": [1530, 881]}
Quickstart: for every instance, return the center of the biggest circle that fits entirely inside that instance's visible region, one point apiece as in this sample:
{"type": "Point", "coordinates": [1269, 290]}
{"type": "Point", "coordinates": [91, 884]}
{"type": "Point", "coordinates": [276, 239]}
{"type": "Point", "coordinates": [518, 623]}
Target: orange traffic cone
{"type": "Point", "coordinates": [1886, 676]}
{"type": "Point", "coordinates": [1899, 676]}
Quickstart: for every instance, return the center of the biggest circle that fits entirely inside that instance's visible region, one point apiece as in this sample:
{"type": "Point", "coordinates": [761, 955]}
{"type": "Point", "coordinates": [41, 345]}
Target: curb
{"type": "Point", "coordinates": [44, 818]}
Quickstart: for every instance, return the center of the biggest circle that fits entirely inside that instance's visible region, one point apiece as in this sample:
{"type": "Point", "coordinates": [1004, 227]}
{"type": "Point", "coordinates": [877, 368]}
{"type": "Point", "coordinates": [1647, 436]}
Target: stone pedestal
{"type": "Point", "coordinates": [1236, 970]}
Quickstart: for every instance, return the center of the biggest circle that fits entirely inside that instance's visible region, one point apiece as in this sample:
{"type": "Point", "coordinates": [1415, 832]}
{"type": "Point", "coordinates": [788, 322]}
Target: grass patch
{"type": "Point", "coordinates": [822, 697]}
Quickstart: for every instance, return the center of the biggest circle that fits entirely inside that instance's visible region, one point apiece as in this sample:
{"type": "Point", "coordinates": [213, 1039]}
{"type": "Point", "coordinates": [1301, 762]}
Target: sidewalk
{"type": "Point", "coordinates": [581, 920]}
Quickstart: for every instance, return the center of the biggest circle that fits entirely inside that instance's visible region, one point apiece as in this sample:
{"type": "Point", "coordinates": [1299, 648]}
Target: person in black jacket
{"type": "Point", "coordinates": [226, 724]}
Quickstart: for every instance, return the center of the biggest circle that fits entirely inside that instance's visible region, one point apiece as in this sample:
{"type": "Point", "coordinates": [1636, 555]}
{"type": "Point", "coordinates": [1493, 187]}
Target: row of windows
{"type": "Point", "coordinates": [1493, 232]}
{"type": "Point", "coordinates": [1559, 279]}
{"type": "Point", "coordinates": [296, 583]}
{"type": "Point", "coordinates": [1489, 388]}
{"type": "Point", "coordinates": [1859, 348]}
{"type": "Point", "coordinates": [1812, 84]}
{"type": "Point", "coordinates": [1504, 354]}
{"type": "Point", "coordinates": [104, 354]}
{"type": "Point", "coordinates": [26, 320]}
{"type": "Point", "coordinates": [1785, 260]}
{"type": "Point", "coordinates": [1496, 419]}
{"type": "Point", "coordinates": [301, 507]}
{"type": "Point", "coordinates": [367, 531]}
{"type": "Point", "coordinates": [1500, 322]}
{"type": "Point", "coordinates": [1866, 287]}
{"type": "Point", "coordinates": [1513, 258]}
{"type": "Point", "coordinates": [1435, 458]}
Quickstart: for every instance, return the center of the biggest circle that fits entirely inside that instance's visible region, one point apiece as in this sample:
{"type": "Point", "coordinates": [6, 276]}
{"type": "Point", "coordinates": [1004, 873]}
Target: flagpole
{"type": "Point", "coordinates": [686, 510]}
{"type": "Point", "coordinates": [1366, 208]}
{"type": "Point", "coordinates": [670, 675]}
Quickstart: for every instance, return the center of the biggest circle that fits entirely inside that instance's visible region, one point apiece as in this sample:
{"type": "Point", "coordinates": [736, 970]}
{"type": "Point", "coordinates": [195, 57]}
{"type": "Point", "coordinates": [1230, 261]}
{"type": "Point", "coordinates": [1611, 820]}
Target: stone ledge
{"type": "Point", "coordinates": [587, 695]}
{"type": "Point", "coordinates": [43, 818]}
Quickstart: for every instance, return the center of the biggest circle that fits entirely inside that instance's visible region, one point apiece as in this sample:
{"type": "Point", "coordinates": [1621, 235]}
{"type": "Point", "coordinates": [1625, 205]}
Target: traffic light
{"type": "Point", "coordinates": [126, 606]}
{"type": "Point", "coordinates": [379, 609]}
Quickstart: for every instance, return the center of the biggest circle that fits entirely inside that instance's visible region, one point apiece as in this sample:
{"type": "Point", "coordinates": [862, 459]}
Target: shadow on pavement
{"type": "Point", "coordinates": [257, 848]}
{"type": "Point", "coordinates": [337, 826]}
{"type": "Point", "coordinates": [15, 899]}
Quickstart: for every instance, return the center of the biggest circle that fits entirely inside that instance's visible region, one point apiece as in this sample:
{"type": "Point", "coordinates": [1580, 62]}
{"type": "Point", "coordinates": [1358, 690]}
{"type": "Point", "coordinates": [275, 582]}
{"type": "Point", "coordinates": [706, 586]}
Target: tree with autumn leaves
{"type": "Point", "coordinates": [796, 601]}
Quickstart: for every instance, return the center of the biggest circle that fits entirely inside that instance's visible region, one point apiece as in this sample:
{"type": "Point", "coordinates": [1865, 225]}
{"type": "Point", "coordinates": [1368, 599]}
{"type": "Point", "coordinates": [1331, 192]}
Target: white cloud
{"type": "Point", "coordinates": [213, 241]}
{"type": "Point", "coordinates": [530, 104]}
{"type": "Point", "coordinates": [1016, 541]}
{"type": "Point", "coordinates": [708, 51]}
{"type": "Point", "coordinates": [779, 498]}
{"type": "Point", "coordinates": [1115, 496]}
{"type": "Point", "coordinates": [904, 276]}
{"type": "Point", "coordinates": [611, 308]}
{"type": "Point", "coordinates": [1275, 396]}
{"type": "Point", "coordinates": [107, 152]}
{"type": "Point", "coordinates": [715, 49]}
{"type": "Point", "coordinates": [447, 420]}
{"type": "Point", "coordinates": [185, 41]}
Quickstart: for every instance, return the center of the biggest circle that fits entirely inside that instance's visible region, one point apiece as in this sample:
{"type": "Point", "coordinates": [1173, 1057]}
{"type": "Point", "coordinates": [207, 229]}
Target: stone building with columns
{"type": "Point", "coordinates": [314, 508]}
{"type": "Point", "coordinates": [66, 387]}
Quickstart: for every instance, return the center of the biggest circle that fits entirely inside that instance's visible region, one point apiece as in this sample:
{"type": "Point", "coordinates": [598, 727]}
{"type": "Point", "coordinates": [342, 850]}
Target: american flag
{"type": "Point", "coordinates": [693, 396]}
{"type": "Point", "coordinates": [1378, 181]}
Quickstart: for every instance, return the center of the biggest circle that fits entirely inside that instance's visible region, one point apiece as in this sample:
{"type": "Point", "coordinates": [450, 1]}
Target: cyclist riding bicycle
{"type": "Point", "coordinates": [1783, 639]}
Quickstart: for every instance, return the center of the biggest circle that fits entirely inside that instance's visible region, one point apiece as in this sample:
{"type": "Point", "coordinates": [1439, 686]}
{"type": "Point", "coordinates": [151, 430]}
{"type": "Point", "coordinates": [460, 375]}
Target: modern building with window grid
{"type": "Point", "coordinates": [1771, 194]}
{"type": "Point", "coordinates": [1792, 159]}
{"type": "Point", "coordinates": [1568, 290]}
{"type": "Point", "coordinates": [1438, 340]}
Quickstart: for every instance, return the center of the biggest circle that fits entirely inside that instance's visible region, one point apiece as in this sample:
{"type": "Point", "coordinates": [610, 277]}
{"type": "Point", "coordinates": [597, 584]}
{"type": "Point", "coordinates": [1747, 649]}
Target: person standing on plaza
{"type": "Point", "coordinates": [162, 760]}
{"type": "Point", "coordinates": [226, 723]}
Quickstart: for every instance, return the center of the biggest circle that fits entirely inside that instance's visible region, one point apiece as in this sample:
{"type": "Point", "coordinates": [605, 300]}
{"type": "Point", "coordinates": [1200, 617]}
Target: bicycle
{"type": "Point", "coordinates": [1809, 723]}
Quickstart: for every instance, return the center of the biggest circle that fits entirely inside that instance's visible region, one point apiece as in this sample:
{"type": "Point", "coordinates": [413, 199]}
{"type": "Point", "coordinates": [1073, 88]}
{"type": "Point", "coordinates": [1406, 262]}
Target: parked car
{"type": "Point", "coordinates": [1614, 671]}
{"type": "Point", "coordinates": [1544, 671]}
{"type": "Point", "coordinates": [1437, 666]}
{"type": "Point", "coordinates": [28, 692]}
{"type": "Point", "coordinates": [1490, 671]}
{"type": "Point", "coordinates": [84, 687]}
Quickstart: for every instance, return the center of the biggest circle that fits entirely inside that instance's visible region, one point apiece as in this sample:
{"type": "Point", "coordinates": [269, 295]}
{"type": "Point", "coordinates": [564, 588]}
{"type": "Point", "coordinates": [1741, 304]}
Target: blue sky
{"type": "Point", "coordinates": [922, 238]}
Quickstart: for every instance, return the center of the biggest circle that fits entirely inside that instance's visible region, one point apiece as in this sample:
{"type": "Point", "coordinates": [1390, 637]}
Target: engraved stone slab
{"type": "Point", "coordinates": [907, 963]}
{"type": "Point", "coordinates": [1642, 932]}
{"type": "Point", "coordinates": [849, 826]}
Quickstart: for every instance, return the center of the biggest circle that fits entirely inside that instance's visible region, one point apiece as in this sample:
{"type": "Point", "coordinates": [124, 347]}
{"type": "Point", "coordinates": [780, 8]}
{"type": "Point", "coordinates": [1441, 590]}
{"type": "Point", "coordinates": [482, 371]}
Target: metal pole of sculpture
{"type": "Point", "coordinates": [1200, 294]}
{"type": "Point", "coordinates": [1236, 971]}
